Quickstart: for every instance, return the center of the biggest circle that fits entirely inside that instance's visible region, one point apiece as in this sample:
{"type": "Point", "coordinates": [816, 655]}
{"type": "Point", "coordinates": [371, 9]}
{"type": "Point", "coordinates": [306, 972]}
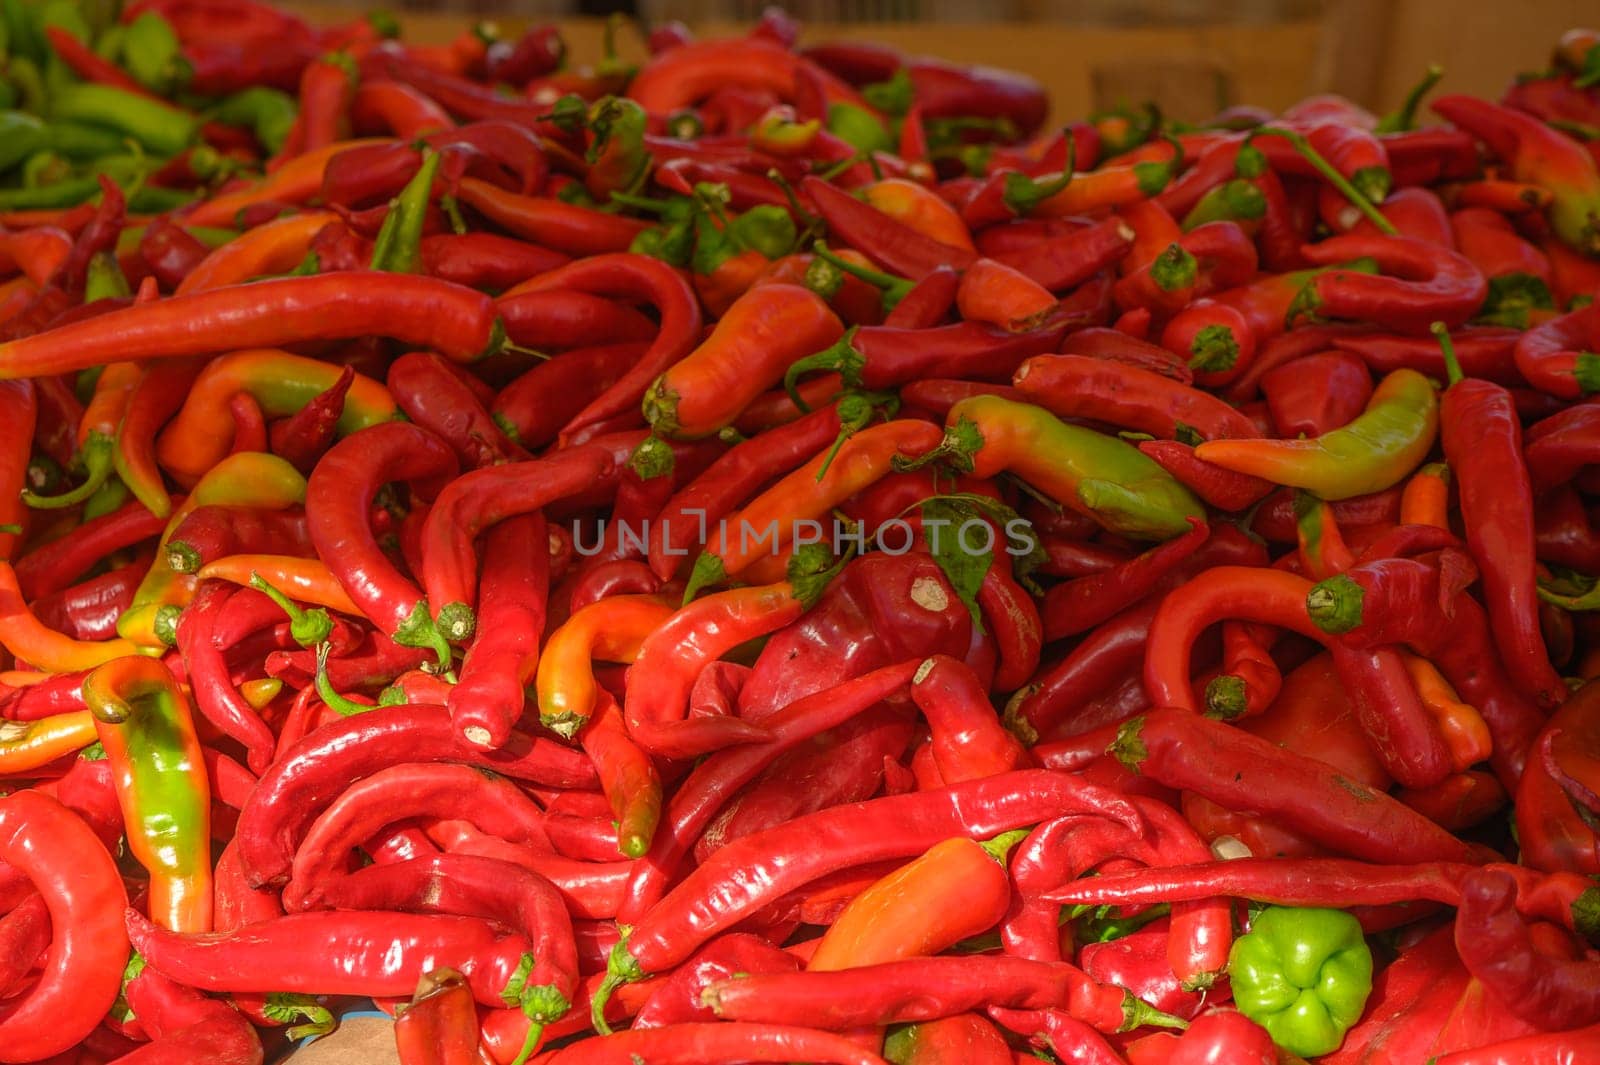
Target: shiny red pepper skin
{"type": "Point", "coordinates": [1310, 396]}
{"type": "Point", "coordinates": [315, 771]}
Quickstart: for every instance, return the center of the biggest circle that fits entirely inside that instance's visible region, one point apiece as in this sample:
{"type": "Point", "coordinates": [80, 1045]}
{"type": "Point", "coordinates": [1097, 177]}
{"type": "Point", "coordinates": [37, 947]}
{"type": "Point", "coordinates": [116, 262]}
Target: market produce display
{"type": "Point", "coordinates": [778, 554]}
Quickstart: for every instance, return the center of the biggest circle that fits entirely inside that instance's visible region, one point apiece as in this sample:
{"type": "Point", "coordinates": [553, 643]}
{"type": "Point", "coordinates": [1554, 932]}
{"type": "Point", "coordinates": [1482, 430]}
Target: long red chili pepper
{"type": "Point", "coordinates": [420, 311]}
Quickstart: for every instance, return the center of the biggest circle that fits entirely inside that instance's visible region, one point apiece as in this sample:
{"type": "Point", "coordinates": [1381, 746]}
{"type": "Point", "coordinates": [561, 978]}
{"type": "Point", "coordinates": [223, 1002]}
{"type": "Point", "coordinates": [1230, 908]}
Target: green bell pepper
{"type": "Point", "coordinates": [1302, 974]}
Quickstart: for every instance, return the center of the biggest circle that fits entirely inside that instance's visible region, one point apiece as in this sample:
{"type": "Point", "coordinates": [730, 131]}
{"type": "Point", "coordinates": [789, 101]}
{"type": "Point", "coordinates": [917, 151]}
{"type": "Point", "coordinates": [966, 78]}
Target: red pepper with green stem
{"type": "Point", "coordinates": [146, 728]}
{"type": "Point", "coordinates": [670, 659]}
{"type": "Point", "coordinates": [920, 989]}
{"type": "Point", "coordinates": [1498, 949]}
{"type": "Point", "coordinates": [634, 277]}
{"type": "Point", "coordinates": [370, 953]}
{"type": "Point", "coordinates": [1217, 255]}
{"type": "Point", "coordinates": [1181, 749]}
{"type": "Point", "coordinates": [214, 531]}
{"type": "Point", "coordinates": [1430, 283]}
{"type": "Point", "coordinates": [1110, 186]}
{"type": "Point", "coordinates": [481, 887]}
{"type": "Point", "coordinates": [47, 843]}
{"type": "Point", "coordinates": [1537, 154]}
{"type": "Point", "coordinates": [476, 502]}
{"type": "Point", "coordinates": [698, 799]}
{"type": "Point", "coordinates": [339, 497]}
{"type": "Point", "coordinates": [488, 699]}
{"type": "Point", "coordinates": [782, 859]}
{"type": "Point", "coordinates": [762, 334]}
{"type": "Point", "coordinates": [1559, 357]}
{"type": "Point", "coordinates": [1482, 438]}
{"type": "Point", "coordinates": [1215, 339]}
{"type": "Point", "coordinates": [1440, 622]}
{"type": "Point", "coordinates": [1078, 386]}
{"type": "Point", "coordinates": [420, 311]}
{"type": "Point", "coordinates": [218, 700]}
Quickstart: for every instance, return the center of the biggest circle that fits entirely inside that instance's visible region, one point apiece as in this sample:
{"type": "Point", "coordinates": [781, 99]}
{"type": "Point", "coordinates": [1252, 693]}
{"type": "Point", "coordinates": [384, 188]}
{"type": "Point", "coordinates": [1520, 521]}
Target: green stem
{"type": "Point", "coordinates": [1336, 179]}
{"type": "Point", "coordinates": [97, 467]}
{"type": "Point", "coordinates": [336, 702]}
{"type": "Point", "coordinates": [1452, 366]}
{"type": "Point", "coordinates": [308, 627]}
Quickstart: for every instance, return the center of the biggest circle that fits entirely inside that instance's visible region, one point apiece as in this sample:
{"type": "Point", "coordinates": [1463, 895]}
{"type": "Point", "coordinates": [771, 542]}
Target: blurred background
{"type": "Point", "coordinates": [1190, 57]}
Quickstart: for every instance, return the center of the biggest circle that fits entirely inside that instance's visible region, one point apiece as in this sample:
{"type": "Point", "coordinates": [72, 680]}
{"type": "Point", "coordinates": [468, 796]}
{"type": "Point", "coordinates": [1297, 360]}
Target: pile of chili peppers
{"type": "Point", "coordinates": [777, 554]}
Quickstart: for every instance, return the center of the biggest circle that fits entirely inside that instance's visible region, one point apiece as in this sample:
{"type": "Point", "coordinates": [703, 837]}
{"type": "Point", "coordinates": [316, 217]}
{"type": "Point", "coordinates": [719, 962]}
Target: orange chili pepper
{"type": "Point", "coordinates": [30, 641]}
{"type": "Point", "coordinates": [273, 247]}
{"type": "Point", "coordinates": [765, 330]}
{"type": "Point", "coordinates": [305, 580]}
{"type": "Point", "coordinates": [769, 521]}
{"type": "Point", "coordinates": [956, 889]}
{"type": "Point", "coordinates": [1001, 295]}
{"type": "Point", "coordinates": [731, 278]}
{"type": "Point", "coordinates": [1464, 730]}
{"type": "Point", "coordinates": [1426, 499]}
{"type": "Point", "coordinates": [920, 208]}
{"type": "Point", "coordinates": [611, 630]}
{"type": "Point", "coordinates": [1110, 186]}
{"type": "Point", "coordinates": [295, 182]}
{"type": "Point", "coordinates": [112, 391]}
{"type": "Point", "coordinates": [27, 745]}
{"type": "Point", "coordinates": [198, 436]}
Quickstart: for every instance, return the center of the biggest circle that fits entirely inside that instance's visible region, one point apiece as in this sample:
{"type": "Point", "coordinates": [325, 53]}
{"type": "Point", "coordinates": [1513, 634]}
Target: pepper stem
{"type": "Point", "coordinates": [1336, 179]}
{"type": "Point", "coordinates": [621, 968]}
{"type": "Point", "coordinates": [894, 288]}
{"type": "Point", "coordinates": [1136, 1013]}
{"type": "Point", "coordinates": [841, 358]}
{"type": "Point", "coordinates": [456, 622]}
{"type": "Point", "coordinates": [1452, 365]}
{"type": "Point", "coordinates": [308, 627]}
{"type": "Point", "coordinates": [1128, 748]}
{"type": "Point", "coordinates": [708, 570]}
{"type": "Point", "coordinates": [961, 442]}
{"type": "Point", "coordinates": [1405, 118]}
{"type": "Point", "coordinates": [418, 630]}
{"type": "Point", "coordinates": [1001, 845]}
{"type": "Point", "coordinates": [97, 467]}
{"type": "Point", "coordinates": [1335, 604]}
{"type": "Point", "coordinates": [336, 702]}
{"type": "Point", "coordinates": [1226, 697]}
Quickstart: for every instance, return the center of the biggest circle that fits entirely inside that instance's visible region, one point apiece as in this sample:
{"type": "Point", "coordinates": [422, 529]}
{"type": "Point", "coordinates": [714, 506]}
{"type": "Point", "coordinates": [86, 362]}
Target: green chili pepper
{"type": "Point", "coordinates": [83, 143]}
{"type": "Point", "coordinates": [27, 41]}
{"type": "Point", "coordinates": [21, 135]}
{"type": "Point", "coordinates": [858, 128]}
{"type": "Point", "coordinates": [398, 248]}
{"type": "Point", "coordinates": [152, 55]}
{"type": "Point", "coordinates": [158, 126]}
{"type": "Point", "coordinates": [68, 193]}
{"type": "Point", "coordinates": [1304, 975]}
{"type": "Point", "coordinates": [267, 113]}
{"type": "Point", "coordinates": [769, 229]}
{"type": "Point", "coordinates": [1384, 444]}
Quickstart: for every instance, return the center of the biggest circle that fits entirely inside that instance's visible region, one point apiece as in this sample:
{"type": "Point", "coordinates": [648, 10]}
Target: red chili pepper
{"type": "Point", "coordinates": [340, 494]}
{"type": "Point", "coordinates": [54, 848]}
{"type": "Point", "coordinates": [486, 260]}
{"type": "Point", "coordinates": [477, 501]}
{"type": "Point", "coordinates": [215, 696]}
{"type": "Point", "coordinates": [566, 227]}
{"type": "Point", "coordinates": [557, 319]}
{"type": "Point", "coordinates": [889, 242]}
{"type": "Point", "coordinates": [1431, 283]}
{"type": "Point", "coordinates": [1138, 962]}
{"type": "Point", "coordinates": [1079, 386]}
{"type": "Point", "coordinates": [1317, 394]}
{"type": "Point", "coordinates": [714, 1044]}
{"type": "Point", "coordinates": [702, 794]}
{"type": "Point", "coordinates": [968, 741]}
{"type": "Point", "coordinates": [316, 771]}
{"type": "Point", "coordinates": [1083, 604]}
{"type": "Point", "coordinates": [690, 913]}
{"type": "Point", "coordinates": [1538, 154]}
{"type": "Point", "coordinates": [632, 277]}
{"type": "Point", "coordinates": [393, 108]}
{"type": "Point", "coordinates": [1443, 625]}
{"type": "Point", "coordinates": [546, 397]}
{"type": "Point", "coordinates": [426, 313]}
{"type": "Point", "coordinates": [435, 399]}
{"type": "Point", "coordinates": [1064, 261]}
{"type": "Point", "coordinates": [1556, 357]}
